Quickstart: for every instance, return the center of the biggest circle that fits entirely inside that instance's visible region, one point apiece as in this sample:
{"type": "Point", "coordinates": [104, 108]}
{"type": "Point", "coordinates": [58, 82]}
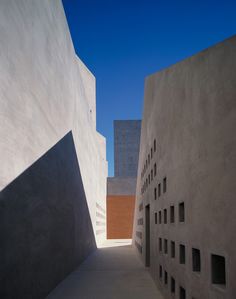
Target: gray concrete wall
{"type": "Point", "coordinates": [121, 186]}
{"type": "Point", "coordinates": [126, 147]}
{"type": "Point", "coordinates": [45, 92]}
{"type": "Point", "coordinates": [190, 110]}
{"type": "Point", "coordinates": [45, 225]}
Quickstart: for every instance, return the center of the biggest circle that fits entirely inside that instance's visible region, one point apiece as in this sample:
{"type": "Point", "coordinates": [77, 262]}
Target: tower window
{"type": "Point", "coordinates": [164, 185]}
{"type": "Point", "coordinates": [159, 217]}
{"type": "Point", "coordinates": [165, 246]}
{"type": "Point", "coordinates": [172, 214]}
{"type": "Point", "coordinates": [165, 216]}
{"type": "Point", "coordinates": [160, 244]}
{"type": "Point", "coordinates": [218, 269]}
{"type": "Point", "coordinates": [196, 257]}
{"type": "Point", "coordinates": [159, 190]}
{"type": "Point", "coordinates": [155, 218]}
{"type": "Point", "coordinates": [172, 285]}
{"type": "Point", "coordinates": [181, 212]}
{"type": "Point", "coordinates": [182, 254]}
{"type": "Point", "coordinates": [172, 249]}
{"type": "Point", "coordinates": [166, 277]}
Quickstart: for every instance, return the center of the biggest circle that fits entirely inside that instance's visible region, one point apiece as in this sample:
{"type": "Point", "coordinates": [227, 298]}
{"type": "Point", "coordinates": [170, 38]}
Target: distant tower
{"type": "Point", "coordinates": [121, 188]}
{"type": "Point", "coordinates": [126, 147]}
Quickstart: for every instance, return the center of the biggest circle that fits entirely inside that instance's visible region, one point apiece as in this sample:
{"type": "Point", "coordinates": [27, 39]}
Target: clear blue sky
{"type": "Point", "coordinates": [123, 41]}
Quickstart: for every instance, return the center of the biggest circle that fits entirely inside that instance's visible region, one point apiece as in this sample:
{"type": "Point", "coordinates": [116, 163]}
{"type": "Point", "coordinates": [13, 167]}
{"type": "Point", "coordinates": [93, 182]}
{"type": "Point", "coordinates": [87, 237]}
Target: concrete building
{"type": "Point", "coordinates": [185, 224]}
{"type": "Point", "coordinates": [121, 188]}
{"type": "Point", "coordinates": [53, 161]}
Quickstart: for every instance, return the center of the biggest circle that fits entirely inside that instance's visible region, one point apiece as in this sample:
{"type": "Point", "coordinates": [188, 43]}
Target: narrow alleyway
{"type": "Point", "coordinates": [111, 272]}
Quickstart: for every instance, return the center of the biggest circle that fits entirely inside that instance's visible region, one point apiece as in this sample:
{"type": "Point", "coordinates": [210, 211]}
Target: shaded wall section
{"type": "Point", "coordinates": [45, 226]}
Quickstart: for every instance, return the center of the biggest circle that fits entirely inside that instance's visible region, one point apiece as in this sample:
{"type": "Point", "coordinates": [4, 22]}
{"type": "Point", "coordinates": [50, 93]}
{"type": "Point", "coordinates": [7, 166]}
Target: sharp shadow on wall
{"type": "Point", "coordinates": [45, 225]}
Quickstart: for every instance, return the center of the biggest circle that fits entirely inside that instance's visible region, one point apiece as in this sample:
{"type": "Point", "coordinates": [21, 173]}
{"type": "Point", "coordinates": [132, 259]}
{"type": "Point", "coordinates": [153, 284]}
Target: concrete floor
{"type": "Point", "coordinates": [111, 272]}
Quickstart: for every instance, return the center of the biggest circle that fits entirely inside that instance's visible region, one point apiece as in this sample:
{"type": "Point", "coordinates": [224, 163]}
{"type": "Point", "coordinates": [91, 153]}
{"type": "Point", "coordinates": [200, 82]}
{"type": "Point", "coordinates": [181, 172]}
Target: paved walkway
{"type": "Point", "coordinates": [111, 272]}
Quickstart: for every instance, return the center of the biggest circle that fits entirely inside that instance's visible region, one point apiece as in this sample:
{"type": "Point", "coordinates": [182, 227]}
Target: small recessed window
{"type": "Point", "coordinates": [159, 217]}
{"type": "Point", "coordinates": [151, 153]}
{"type": "Point", "coordinates": [165, 216]}
{"type": "Point", "coordinates": [164, 185]}
{"type": "Point", "coordinates": [149, 179]}
{"type": "Point", "coordinates": [218, 269]}
{"type": "Point", "coordinates": [148, 159]}
{"type": "Point", "coordinates": [196, 257]}
{"type": "Point", "coordinates": [151, 174]}
{"type": "Point", "coordinates": [181, 212]}
{"type": "Point", "coordinates": [160, 244]}
{"type": "Point", "coordinates": [182, 254]}
{"type": "Point", "coordinates": [159, 190]}
{"type": "Point", "coordinates": [166, 277]}
{"type": "Point", "coordinates": [172, 249]}
{"type": "Point", "coordinates": [172, 288]}
{"type": "Point", "coordinates": [155, 193]}
{"type": "Point", "coordinates": [160, 271]}
{"type": "Point", "coordinates": [155, 145]}
{"type": "Point", "coordinates": [155, 218]}
{"type": "Point", "coordinates": [172, 214]}
{"type": "Point", "coordinates": [182, 293]}
{"type": "Point", "coordinates": [165, 246]}
{"type": "Point", "coordinates": [155, 169]}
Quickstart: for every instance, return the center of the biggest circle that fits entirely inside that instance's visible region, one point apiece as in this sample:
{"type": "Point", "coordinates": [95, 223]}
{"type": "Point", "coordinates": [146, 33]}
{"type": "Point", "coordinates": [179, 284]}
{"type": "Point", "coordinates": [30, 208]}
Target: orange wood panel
{"type": "Point", "coordinates": [120, 215]}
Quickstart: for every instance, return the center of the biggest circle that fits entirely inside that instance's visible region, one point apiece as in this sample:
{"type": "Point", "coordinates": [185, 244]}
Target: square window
{"type": "Point", "coordinates": [172, 214]}
{"type": "Point", "coordinates": [181, 212]}
{"type": "Point", "coordinates": [159, 217]}
{"type": "Point", "coordinates": [196, 258]}
{"type": "Point", "coordinates": [182, 293]}
{"type": "Point", "coordinates": [172, 249]}
{"type": "Point", "coordinates": [182, 254]}
{"type": "Point", "coordinates": [218, 269]}
{"type": "Point", "coordinates": [165, 246]}
{"type": "Point", "coordinates": [172, 285]}
{"type": "Point", "coordinates": [164, 185]}
{"type": "Point", "coordinates": [165, 216]}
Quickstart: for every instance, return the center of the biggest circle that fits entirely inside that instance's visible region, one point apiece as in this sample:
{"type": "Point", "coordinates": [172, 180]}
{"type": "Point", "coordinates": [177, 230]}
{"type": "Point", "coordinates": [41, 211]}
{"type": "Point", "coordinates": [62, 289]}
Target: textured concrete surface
{"type": "Point", "coordinates": [121, 186]}
{"type": "Point", "coordinates": [45, 225]}
{"type": "Point", "coordinates": [45, 92]}
{"type": "Point", "coordinates": [126, 147]}
{"type": "Point", "coordinates": [120, 215]}
{"type": "Point", "coordinates": [112, 272]}
{"type": "Point", "coordinates": [190, 110]}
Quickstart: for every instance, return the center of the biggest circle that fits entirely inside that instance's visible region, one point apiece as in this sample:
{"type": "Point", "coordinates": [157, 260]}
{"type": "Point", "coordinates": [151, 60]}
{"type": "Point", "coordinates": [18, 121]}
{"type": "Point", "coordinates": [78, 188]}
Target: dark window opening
{"type": "Point", "coordinates": [172, 249]}
{"type": "Point", "coordinates": [160, 244]}
{"type": "Point", "coordinates": [164, 185]}
{"type": "Point", "coordinates": [166, 277]}
{"type": "Point", "coordinates": [155, 169]}
{"type": "Point", "coordinates": [165, 216]}
{"type": "Point", "coordinates": [160, 271]}
{"type": "Point", "coordinates": [159, 217]}
{"type": "Point", "coordinates": [172, 214]}
{"type": "Point", "coordinates": [159, 190]}
{"type": "Point", "coordinates": [155, 218]}
{"type": "Point", "coordinates": [196, 260]}
{"type": "Point", "coordinates": [182, 254]}
{"type": "Point", "coordinates": [218, 269]}
{"type": "Point", "coordinates": [181, 212]}
{"type": "Point", "coordinates": [149, 179]}
{"type": "Point", "coordinates": [182, 293]}
{"type": "Point", "coordinates": [148, 159]}
{"type": "Point", "coordinates": [151, 153]}
{"type": "Point", "coordinates": [165, 246]}
{"type": "Point", "coordinates": [155, 193]}
{"type": "Point", "coordinates": [151, 174]}
{"type": "Point", "coordinates": [172, 285]}
{"type": "Point", "coordinates": [155, 145]}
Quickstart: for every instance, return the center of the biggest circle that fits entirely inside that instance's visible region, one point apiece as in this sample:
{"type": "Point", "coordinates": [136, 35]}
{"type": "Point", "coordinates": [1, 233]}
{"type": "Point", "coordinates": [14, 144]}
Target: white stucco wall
{"type": "Point", "coordinates": [46, 91]}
